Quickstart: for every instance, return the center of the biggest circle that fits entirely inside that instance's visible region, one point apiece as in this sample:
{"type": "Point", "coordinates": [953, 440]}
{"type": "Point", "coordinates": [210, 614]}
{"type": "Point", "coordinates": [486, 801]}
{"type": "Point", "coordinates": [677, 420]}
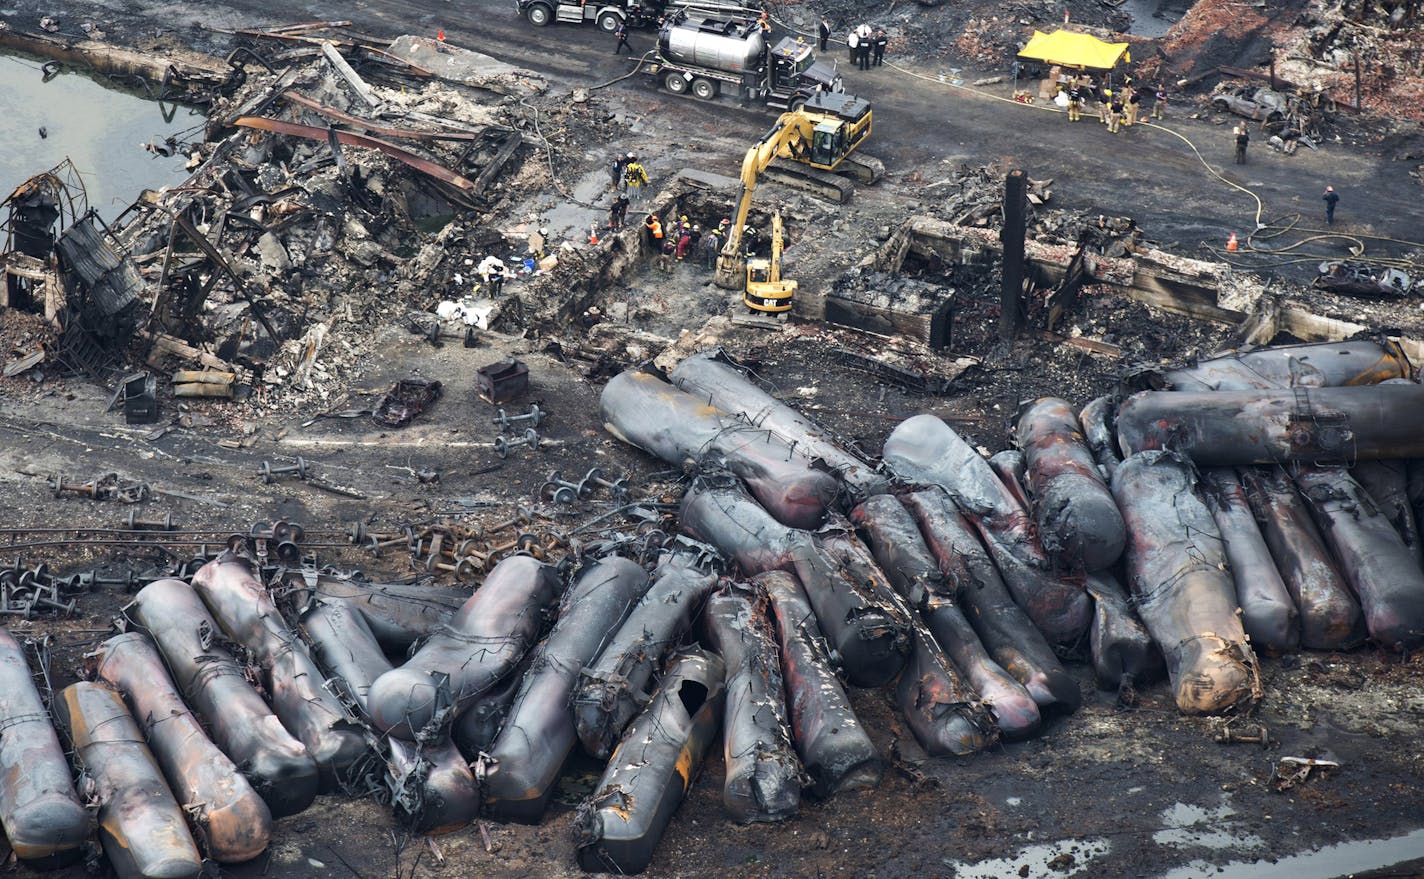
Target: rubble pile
{"type": "Point", "coordinates": [307, 226]}
{"type": "Point", "coordinates": [1312, 55]}
{"type": "Point", "coordinates": [1383, 38]}
{"type": "Point", "coordinates": [23, 337]}
{"type": "Point", "coordinates": [327, 204]}
{"type": "Point", "coordinates": [1055, 557]}
{"type": "Point", "coordinates": [1209, 35]}
{"type": "Point", "coordinates": [973, 196]}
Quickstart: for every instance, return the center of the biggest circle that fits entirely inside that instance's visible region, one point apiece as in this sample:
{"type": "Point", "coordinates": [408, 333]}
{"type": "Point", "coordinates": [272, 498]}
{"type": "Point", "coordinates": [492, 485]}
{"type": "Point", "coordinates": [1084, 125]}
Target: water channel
{"type": "Point", "coordinates": [101, 128]}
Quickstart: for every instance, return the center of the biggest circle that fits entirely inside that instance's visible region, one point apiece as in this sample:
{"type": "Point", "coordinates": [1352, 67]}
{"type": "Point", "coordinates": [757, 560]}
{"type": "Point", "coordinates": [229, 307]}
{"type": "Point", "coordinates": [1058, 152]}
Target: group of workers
{"type": "Point", "coordinates": [679, 238]}
{"type": "Point", "coordinates": [1117, 107]}
{"type": "Point", "coordinates": [628, 177]}
{"type": "Point", "coordinates": [867, 47]}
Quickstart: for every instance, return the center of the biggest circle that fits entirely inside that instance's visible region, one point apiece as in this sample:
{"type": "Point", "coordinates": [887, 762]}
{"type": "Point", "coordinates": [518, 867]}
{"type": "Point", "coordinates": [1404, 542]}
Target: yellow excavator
{"type": "Point", "coordinates": [766, 292]}
{"type": "Point", "coordinates": [819, 138]}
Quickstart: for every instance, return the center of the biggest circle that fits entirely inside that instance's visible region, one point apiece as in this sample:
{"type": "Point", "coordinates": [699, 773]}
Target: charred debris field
{"type": "Point", "coordinates": [380, 502]}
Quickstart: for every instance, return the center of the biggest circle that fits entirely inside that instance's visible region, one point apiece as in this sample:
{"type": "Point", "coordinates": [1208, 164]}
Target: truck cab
{"type": "Point", "coordinates": [796, 76]}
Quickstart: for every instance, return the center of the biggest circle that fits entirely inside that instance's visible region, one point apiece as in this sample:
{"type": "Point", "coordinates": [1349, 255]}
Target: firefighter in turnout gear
{"type": "Point", "coordinates": [1075, 103]}
{"type": "Point", "coordinates": [636, 176]}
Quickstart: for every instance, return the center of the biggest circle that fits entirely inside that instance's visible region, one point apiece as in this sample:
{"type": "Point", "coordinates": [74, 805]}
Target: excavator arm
{"type": "Point", "coordinates": [819, 137]}
{"type": "Point", "coordinates": [785, 133]}
{"type": "Point", "coordinates": [776, 242]}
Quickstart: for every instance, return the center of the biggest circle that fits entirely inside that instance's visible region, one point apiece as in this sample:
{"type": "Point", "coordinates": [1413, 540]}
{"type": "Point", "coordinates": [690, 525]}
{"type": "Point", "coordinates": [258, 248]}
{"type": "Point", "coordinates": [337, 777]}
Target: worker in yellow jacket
{"type": "Point", "coordinates": [636, 177]}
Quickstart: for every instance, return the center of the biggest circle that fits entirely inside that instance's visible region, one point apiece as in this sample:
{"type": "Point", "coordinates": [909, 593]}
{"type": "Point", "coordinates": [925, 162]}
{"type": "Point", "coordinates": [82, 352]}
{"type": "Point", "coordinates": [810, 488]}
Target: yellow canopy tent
{"type": "Point", "coordinates": [1071, 49]}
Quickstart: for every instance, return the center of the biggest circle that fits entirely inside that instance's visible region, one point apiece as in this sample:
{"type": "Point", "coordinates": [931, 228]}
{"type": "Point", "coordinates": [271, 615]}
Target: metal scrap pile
{"type": "Point", "coordinates": [973, 196]}
{"type": "Point", "coordinates": [800, 569]}
{"type": "Point", "coordinates": [302, 223]}
{"type": "Point", "coordinates": [1380, 37]}
{"type": "Point", "coordinates": [957, 577]}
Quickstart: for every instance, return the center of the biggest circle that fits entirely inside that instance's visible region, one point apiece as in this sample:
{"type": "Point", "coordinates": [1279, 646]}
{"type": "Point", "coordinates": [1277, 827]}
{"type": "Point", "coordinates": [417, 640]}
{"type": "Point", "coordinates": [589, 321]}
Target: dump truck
{"type": "Point", "coordinates": [704, 56]}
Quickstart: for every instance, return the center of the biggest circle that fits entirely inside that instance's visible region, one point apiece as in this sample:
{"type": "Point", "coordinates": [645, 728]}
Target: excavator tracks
{"type": "Point", "coordinates": [822, 184]}
{"type": "Point", "coordinates": [864, 168]}
{"type": "Point", "coordinates": [832, 186]}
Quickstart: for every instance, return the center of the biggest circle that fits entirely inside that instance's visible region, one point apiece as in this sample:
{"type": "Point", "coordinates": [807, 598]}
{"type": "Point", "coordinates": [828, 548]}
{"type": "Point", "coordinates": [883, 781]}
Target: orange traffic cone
{"type": "Point", "coordinates": [440, 35]}
{"type": "Point", "coordinates": [592, 234]}
{"type": "Point", "coordinates": [1231, 243]}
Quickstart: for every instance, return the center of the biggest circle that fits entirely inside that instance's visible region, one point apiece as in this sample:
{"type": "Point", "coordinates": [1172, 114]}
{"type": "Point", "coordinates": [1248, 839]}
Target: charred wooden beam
{"type": "Point", "coordinates": [1011, 294]}
{"type": "Point", "coordinates": [350, 138]}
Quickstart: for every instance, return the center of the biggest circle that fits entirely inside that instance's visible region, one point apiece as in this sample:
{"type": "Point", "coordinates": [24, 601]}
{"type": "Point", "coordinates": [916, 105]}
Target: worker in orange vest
{"type": "Point", "coordinates": [655, 233]}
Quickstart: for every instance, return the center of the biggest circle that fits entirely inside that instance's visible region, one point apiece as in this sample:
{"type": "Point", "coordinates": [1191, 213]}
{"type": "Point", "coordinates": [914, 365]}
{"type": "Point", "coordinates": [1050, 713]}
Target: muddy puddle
{"type": "Point", "coordinates": [588, 209]}
{"type": "Point", "coordinates": [102, 129]}
{"type": "Point", "coordinates": [1199, 831]}
{"type": "Point", "coordinates": [1344, 859]}
{"type": "Point", "coordinates": [1152, 18]}
{"type": "Point", "coordinates": [1068, 858]}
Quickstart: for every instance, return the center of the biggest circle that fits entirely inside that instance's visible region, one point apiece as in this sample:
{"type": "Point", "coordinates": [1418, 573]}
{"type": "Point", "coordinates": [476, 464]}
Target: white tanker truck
{"type": "Point", "coordinates": [705, 56]}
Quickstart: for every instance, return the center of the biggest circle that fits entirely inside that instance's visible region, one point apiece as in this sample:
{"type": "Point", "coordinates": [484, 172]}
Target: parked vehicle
{"type": "Point", "coordinates": [1254, 103]}
{"type": "Point", "coordinates": [705, 55]}
{"type": "Point", "coordinates": [1358, 279]}
{"type": "Point", "coordinates": [608, 14]}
